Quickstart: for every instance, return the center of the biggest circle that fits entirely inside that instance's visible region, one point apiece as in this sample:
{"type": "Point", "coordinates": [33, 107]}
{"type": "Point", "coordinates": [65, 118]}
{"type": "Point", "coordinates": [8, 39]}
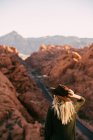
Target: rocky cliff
{"type": "Point", "coordinates": [22, 105]}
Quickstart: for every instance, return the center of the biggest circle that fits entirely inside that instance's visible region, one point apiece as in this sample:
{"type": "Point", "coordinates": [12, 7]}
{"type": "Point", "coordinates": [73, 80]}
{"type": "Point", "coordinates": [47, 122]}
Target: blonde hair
{"type": "Point", "coordinates": [64, 109]}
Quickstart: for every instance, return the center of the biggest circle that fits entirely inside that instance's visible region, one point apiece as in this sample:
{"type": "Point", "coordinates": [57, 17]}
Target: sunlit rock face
{"type": "Point", "coordinates": [69, 66]}
{"type": "Point", "coordinates": [8, 49]}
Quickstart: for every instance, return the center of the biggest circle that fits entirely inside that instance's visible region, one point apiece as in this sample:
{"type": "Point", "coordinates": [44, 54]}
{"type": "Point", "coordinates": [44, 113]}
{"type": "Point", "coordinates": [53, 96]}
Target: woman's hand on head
{"type": "Point", "coordinates": [71, 93]}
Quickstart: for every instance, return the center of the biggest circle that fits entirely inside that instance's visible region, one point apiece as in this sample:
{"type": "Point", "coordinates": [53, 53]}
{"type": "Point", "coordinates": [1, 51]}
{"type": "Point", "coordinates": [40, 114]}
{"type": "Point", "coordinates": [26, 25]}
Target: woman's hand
{"type": "Point", "coordinates": [73, 95]}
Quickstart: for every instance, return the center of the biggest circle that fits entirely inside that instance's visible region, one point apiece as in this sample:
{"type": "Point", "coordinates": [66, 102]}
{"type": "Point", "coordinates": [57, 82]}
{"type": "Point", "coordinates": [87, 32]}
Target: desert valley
{"type": "Point", "coordinates": [23, 105]}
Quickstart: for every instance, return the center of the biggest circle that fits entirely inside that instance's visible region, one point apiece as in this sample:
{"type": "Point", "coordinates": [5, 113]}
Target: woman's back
{"type": "Point", "coordinates": [59, 131]}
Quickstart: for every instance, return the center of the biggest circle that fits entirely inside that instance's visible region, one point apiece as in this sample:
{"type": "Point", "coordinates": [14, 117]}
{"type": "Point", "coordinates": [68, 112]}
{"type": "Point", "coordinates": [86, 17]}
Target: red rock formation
{"type": "Point", "coordinates": [69, 66]}
{"type": "Point", "coordinates": [11, 65]}
{"type": "Point", "coordinates": [15, 120]}
{"type": "Point", "coordinates": [12, 123]}
{"type": "Point", "coordinates": [8, 49]}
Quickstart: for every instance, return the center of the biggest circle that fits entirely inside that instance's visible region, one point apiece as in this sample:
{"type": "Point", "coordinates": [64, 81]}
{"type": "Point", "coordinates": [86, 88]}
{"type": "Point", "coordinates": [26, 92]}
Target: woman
{"type": "Point", "coordinates": [61, 116]}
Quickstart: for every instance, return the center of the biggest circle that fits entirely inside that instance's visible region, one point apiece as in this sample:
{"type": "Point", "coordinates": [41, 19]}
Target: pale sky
{"type": "Point", "coordinates": [36, 18]}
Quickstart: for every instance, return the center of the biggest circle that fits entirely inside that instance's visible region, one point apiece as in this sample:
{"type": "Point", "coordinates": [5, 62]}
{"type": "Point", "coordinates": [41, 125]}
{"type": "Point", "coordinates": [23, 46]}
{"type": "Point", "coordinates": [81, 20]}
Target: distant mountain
{"type": "Point", "coordinates": [29, 45]}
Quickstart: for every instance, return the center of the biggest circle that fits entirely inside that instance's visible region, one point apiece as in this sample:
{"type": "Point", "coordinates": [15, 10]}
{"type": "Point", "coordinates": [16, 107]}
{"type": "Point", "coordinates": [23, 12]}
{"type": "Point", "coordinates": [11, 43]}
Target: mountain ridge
{"type": "Point", "coordinates": [30, 45]}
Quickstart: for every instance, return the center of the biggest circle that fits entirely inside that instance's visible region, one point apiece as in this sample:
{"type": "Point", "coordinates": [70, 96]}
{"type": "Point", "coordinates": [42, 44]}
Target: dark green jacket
{"type": "Point", "coordinates": [54, 130]}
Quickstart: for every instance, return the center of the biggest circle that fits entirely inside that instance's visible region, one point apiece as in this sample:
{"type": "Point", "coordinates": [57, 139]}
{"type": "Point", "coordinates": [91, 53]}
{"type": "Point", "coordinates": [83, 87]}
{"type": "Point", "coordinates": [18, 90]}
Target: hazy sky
{"type": "Point", "coordinates": [35, 18]}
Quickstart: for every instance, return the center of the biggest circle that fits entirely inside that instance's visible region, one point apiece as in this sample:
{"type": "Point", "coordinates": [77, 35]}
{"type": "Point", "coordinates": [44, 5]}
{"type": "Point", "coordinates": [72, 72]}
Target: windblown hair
{"type": "Point", "coordinates": [64, 110]}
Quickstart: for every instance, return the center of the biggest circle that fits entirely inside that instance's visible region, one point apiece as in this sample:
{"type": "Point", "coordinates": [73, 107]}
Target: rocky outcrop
{"type": "Point", "coordinates": [27, 91]}
{"type": "Point", "coordinates": [8, 50]}
{"type": "Point", "coordinates": [22, 105]}
{"type": "Point", "coordinates": [69, 66]}
{"type": "Point", "coordinates": [13, 125]}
